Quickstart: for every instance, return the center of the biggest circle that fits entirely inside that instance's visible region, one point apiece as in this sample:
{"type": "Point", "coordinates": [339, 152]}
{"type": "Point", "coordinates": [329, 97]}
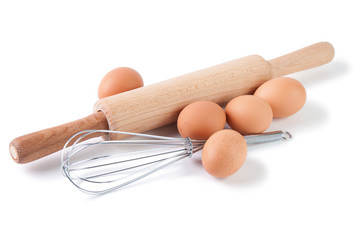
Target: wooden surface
{"type": "Point", "coordinates": [36, 145]}
{"type": "Point", "coordinates": [159, 104]}
{"type": "Point", "coordinates": [305, 58]}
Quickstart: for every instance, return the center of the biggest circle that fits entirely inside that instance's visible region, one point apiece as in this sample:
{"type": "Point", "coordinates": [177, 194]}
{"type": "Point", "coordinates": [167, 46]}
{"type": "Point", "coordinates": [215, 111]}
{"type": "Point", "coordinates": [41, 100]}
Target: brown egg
{"type": "Point", "coordinates": [199, 120]}
{"type": "Point", "coordinates": [285, 95]}
{"type": "Point", "coordinates": [224, 153]}
{"type": "Point", "coordinates": [249, 114]}
{"type": "Point", "coordinates": [119, 80]}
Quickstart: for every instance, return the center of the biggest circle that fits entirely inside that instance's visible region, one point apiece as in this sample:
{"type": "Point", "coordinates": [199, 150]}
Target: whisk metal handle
{"type": "Point", "coordinates": [267, 137]}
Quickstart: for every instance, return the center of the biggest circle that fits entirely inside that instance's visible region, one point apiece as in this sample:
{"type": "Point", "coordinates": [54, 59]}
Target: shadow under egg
{"type": "Point", "coordinates": [252, 172]}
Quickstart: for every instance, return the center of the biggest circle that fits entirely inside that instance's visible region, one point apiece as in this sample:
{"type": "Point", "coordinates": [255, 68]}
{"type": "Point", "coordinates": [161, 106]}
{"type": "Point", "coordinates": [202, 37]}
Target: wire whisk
{"type": "Point", "coordinates": [101, 166]}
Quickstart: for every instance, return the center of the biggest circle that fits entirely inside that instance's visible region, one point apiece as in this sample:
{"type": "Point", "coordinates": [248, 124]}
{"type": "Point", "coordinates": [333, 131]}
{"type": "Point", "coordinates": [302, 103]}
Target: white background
{"type": "Point", "coordinates": [54, 54]}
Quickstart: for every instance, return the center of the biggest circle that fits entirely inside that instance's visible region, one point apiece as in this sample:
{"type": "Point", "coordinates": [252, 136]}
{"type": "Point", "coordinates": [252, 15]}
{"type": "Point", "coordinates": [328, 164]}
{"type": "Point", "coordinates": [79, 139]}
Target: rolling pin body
{"type": "Point", "coordinates": [159, 104]}
{"type": "Point", "coordinates": [156, 105]}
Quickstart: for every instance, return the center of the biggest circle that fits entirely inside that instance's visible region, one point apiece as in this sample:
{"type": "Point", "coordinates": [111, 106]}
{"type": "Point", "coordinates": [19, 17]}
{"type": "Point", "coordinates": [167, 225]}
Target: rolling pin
{"type": "Point", "coordinates": [159, 104]}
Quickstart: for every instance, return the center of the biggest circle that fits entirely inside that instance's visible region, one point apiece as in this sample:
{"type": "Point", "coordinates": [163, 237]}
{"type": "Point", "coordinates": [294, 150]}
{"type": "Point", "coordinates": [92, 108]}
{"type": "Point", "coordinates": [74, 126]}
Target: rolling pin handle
{"type": "Point", "coordinates": [39, 144]}
{"type": "Point", "coordinates": [311, 56]}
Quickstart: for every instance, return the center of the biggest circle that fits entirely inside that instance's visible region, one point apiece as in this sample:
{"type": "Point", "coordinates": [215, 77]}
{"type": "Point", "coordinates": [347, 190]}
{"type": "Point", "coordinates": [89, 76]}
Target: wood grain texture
{"type": "Point", "coordinates": [159, 104]}
{"type": "Point", "coordinates": [312, 56]}
{"type": "Point", "coordinates": [36, 145]}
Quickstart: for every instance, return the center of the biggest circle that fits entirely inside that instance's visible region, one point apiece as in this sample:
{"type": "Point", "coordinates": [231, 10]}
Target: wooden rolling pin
{"type": "Point", "coordinates": [159, 104]}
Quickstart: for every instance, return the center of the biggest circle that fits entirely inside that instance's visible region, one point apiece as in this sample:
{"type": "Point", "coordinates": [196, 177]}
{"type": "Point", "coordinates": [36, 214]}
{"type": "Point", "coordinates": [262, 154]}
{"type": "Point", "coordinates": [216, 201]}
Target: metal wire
{"type": "Point", "coordinates": [94, 169]}
{"type": "Point", "coordinates": [103, 173]}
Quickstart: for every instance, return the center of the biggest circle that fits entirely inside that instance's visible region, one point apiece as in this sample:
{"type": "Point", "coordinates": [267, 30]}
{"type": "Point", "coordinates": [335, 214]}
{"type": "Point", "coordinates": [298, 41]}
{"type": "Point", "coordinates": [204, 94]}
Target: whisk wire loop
{"type": "Point", "coordinates": [102, 166]}
{"type": "Point", "coordinates": [99, 173]}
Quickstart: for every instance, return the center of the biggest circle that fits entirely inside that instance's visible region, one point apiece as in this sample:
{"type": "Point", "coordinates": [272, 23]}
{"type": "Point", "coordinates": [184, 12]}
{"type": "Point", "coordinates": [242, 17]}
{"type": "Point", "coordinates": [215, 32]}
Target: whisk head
{"type": "Point", "coordinates": [98, 166]}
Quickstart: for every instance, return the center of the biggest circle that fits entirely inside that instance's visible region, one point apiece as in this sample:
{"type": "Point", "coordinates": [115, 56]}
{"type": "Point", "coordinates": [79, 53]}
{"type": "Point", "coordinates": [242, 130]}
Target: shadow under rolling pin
{"type": "Point", "coordinates": [159, 104]}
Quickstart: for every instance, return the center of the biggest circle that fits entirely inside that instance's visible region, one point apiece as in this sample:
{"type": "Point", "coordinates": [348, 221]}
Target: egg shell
{"type": "Point", "coordinates": [285, 95]}
{"type": "Point", "coordinates": [249, 114]}
{"type": "Point", "coordinates": [224, 153]}
{"type": "Point", "coordinates": [119, 80]}
{"type": "Point", "coordinates": [199, 120]}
